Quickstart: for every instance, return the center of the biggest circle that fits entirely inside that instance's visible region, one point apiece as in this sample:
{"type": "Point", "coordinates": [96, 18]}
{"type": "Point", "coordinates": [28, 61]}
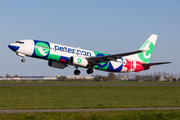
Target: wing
{"type": "Point", "coordinates": [97, 60]}
{"type": "Point", "coordinates": [152, 64]}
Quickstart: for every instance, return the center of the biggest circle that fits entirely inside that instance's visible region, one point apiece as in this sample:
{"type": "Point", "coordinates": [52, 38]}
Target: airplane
{"type": "Point", "coordinates": [61, 56]}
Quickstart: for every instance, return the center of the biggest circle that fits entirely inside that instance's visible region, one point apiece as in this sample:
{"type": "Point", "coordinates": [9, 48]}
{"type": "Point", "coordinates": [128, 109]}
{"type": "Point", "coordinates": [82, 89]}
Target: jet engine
{"type": "Point", "coordinates": [56, 64]}
{"type": "Point", "coordinates": [78, 61]}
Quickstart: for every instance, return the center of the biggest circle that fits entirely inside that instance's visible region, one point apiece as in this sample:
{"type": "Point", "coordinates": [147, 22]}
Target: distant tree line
{"type": "Point", "coordinates": [15, 76]}
{"type": "Point", "coordinates": [111, 77]}
{"type": "Point", "coordinates": [156, 76]}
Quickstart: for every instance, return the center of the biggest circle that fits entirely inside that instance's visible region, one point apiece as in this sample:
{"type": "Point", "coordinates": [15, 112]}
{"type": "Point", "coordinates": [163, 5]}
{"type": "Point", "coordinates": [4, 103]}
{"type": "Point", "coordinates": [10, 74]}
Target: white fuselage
{"type": "Point", "coordinates": [62, 54]}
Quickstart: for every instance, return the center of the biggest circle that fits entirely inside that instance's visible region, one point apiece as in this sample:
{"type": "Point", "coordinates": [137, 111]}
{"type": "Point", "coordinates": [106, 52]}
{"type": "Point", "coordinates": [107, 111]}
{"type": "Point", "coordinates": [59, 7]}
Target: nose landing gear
{"type": "Point", "coordinates": [23, 60]}
{"type": "Point", "coordinates": [22, 55]}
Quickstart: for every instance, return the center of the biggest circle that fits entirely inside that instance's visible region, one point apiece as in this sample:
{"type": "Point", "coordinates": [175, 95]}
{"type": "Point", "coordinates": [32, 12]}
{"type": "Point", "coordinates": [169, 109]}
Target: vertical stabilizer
{"type": "Point", "coordinates": [147, 47]}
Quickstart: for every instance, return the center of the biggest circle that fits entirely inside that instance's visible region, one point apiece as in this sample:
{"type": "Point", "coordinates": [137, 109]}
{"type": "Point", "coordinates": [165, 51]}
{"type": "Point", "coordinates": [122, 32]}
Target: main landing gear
{"type": "Point", "coordinates": [90, 71]}
{"type": "Point", "coordinates": [77, 72]}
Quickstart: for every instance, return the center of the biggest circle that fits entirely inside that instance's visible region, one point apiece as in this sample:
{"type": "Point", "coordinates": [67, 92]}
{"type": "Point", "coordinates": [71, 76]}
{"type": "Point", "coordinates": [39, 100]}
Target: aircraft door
{"type": "Point", "coordinates": [28, 47]}
{"type": "Point", "coordinates": [31, 45]}
{"type": "Point", "coordinates": [133, 64]}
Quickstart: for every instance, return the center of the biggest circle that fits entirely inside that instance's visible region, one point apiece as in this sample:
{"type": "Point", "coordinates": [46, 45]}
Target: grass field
{"type": "Point", "coordinates": [113, 115]}
{"type": "Point", "coordinates": [55, 97]}
{"type": "Point", "coordinates": [83, 82]}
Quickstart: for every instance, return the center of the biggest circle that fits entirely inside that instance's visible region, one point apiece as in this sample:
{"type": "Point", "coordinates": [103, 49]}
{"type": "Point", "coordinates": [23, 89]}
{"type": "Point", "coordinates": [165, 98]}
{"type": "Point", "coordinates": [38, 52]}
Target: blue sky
{"type": "Point", "coordinates": [100, 25]}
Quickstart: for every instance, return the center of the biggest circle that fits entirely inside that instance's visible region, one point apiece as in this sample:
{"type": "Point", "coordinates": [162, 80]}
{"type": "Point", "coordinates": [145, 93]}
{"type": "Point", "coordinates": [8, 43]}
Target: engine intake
{"type": "Point", "coordinates": [78, 61]}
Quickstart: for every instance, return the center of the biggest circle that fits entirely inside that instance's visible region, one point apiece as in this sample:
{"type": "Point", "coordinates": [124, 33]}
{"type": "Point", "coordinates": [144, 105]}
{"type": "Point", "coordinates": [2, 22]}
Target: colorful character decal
{"type": "Point", "coordinates": [111, 65]}
{"type": "Point", "coordinates": [102, 66]}
{"type": "Point", "coordinates": [41, 49]}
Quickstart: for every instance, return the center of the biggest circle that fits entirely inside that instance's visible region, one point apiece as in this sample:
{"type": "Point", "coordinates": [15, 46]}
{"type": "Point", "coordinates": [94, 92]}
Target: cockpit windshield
{"type": "Point", "coordinates": [19, 42]}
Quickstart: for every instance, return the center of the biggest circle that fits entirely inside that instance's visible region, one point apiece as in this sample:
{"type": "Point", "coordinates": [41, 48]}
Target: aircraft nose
{"type": "Point", "coordinates": [13, 47]}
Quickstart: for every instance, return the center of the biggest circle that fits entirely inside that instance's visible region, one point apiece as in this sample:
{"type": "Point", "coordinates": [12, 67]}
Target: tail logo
{"type": "Point", "coordinates": [145, 56]}
{"type": "Point", "coordinates": [41, 49]}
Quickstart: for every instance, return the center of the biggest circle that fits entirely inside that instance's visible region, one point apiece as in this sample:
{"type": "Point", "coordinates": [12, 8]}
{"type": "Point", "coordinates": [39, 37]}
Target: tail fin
{"type": "Point", "coordinates": [147, 47]}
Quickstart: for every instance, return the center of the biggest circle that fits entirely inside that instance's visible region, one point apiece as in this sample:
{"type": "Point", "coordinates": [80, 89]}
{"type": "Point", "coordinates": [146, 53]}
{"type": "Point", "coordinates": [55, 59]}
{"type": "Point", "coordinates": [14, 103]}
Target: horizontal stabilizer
{"type": "Point", "coordinates": [152, 64]}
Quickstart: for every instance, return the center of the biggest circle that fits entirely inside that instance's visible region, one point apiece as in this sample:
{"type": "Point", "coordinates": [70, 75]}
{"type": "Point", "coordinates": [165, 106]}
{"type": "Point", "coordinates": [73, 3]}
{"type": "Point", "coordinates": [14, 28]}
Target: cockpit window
{"type": "Point", "coordinates": [19, 42]}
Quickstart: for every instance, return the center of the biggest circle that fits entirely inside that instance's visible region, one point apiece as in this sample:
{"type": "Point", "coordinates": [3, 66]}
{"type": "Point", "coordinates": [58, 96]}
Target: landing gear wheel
{"type": "Point", "coordinates": [77, 72]}
{"type": "Point", "coordinates": [23, 60]}
{"type": "Point", "coordinates": [90, 71]}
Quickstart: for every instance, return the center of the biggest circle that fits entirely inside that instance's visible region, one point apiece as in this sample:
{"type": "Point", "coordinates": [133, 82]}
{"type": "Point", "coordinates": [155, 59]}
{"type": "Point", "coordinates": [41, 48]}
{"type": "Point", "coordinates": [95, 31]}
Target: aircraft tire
{"type": "Point", "coordinates": [77, 72]}
{"type": "Point", "coordinates": [89, 71]}
{"type": "Point", "coordinates": [23, 60]}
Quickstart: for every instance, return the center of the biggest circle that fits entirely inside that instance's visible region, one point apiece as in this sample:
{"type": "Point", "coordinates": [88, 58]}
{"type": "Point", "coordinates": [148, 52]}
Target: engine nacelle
{"type": "Point", "coordinates": [56, 64]}
{"type": "Point", "coordinates": [78, 61]}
